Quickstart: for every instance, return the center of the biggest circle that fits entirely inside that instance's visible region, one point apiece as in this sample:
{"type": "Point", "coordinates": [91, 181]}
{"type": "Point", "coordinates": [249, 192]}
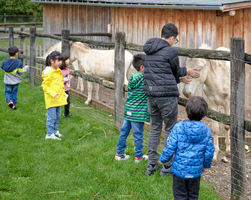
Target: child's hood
{"type": "Point", "coordinates": [10, 65]}
{"type": "Point", "coordinates": [47, 70]}
{"type": "Point", "coordinates": [135, 80]}
{"type": "Point", "coordinates": [154, 44]}
{"type": "Point", "coordinates": [50, 69]}
{"type": "Point", "coordinates": [194, 130]}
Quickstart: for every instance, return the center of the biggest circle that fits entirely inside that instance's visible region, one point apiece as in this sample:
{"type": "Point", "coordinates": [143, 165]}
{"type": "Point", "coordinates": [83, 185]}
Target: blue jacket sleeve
{"type": "Point", "coordinates": [208, 158]}
{"type": "Point", "coordinates": [171, 146]}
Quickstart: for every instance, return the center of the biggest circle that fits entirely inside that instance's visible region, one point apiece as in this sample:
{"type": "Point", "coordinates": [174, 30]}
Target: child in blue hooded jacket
{"type": "Point", "coordinates": [13, 68]}
{"type": "Point", "coordinates": [191, 142]}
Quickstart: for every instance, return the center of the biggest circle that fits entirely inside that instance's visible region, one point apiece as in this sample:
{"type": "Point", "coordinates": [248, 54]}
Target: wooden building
{"type": "Point", "coordinates": [212, 22]}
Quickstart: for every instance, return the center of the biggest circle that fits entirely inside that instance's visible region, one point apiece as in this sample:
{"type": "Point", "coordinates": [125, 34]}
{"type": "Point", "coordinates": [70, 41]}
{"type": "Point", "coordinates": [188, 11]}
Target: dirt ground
{"type": "Point", "coordinates": [220, 173]}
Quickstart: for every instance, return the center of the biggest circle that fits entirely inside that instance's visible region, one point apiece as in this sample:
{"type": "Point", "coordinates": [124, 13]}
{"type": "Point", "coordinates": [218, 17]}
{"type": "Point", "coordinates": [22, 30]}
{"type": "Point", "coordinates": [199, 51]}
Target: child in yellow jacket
{"type": "Point", "coordinates": [54, 93]}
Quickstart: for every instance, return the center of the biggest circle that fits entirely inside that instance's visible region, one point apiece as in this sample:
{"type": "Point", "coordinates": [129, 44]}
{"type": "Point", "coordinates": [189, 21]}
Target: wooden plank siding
{"type": "Point", "coordinates": [139, 24]}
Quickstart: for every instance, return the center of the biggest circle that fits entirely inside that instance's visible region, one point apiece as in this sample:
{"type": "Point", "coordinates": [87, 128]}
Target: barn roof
{"type": "Point", "coordinates": [224, 5]}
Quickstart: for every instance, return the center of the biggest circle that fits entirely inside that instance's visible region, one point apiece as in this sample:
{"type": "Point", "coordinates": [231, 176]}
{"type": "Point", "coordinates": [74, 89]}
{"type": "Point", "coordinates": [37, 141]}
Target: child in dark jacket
{"type": "Point", "coordinates": [191, 142]}
{"type": "Point", "coordinates": [13, 68]}
{"type": "Point", "coordinates": [67, 79]}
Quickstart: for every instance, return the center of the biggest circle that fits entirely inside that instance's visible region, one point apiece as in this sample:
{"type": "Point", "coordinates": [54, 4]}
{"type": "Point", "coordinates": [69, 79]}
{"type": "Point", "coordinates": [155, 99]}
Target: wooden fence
{"type": "Point", "coordinates": [237, 58]}
{"type": "Point", "coordinates": [5, 24]}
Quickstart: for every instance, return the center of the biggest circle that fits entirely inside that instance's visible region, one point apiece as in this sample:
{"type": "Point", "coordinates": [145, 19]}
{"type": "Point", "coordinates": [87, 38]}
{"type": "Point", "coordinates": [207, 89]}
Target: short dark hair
{"type": "Point", "coordinates": [196, 108]}
{"type": "Point", "coordinates": [138, 60]}
{"type": "Point", "coordinates": [65, 57]}
{"type": "Point", "coordinates": [13, 50]}
{"type": "Point", "coordinates": [169, 30]}
{"type": "Point", "coordinates": [55, 55]}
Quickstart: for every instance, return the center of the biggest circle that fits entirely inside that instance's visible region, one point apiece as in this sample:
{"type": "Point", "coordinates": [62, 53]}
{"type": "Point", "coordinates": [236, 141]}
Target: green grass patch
{"type": "Point", "coordinates": [81, 166]}
{"type": "Point", "coordinates": [4, 43]}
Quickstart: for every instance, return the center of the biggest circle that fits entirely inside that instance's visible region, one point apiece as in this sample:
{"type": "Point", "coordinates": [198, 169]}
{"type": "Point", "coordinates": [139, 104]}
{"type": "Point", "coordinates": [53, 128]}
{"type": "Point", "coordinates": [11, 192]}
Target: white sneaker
{"type": "Point", "coordinates": [144, 157]}
{"type": "Point", "coordinates": [58, 134]}
{"type": "Point", "coordinates": [120, 158]}
{"type": "Point", "coordinates": [52, 136]}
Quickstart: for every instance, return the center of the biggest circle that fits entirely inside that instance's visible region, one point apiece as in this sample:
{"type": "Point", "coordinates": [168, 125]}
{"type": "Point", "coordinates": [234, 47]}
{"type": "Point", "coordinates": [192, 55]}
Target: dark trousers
{"type": "Point", "coordinates": [160, 109]}
{"type": "Point", "coordinates": [186, 189]}
{"type": "Point", "coordinates": [67, 107]}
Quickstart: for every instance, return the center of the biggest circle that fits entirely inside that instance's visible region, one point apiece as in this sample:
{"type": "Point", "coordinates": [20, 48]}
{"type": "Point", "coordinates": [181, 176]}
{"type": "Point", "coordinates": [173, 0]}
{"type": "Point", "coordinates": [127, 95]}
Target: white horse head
{"type": "Point", "coordinates": [201, 64]}
{"type": "Point", "coordinates": [76, 48]}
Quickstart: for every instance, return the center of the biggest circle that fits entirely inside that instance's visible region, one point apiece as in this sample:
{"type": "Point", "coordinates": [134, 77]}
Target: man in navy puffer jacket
{"type": "Point", "coordinates": [160, 84]}
{"type": "Point", "coordinates": [191, 142]}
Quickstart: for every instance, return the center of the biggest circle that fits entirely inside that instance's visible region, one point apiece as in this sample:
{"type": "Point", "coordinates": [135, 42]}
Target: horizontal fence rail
{"type": "Point", "coordinates": [21, 15]}
{"type": "Point", "coordinates": [88, 34]}
{"type": "Point", "coordinates": [17, 24]}
{"type": "Point", "coordinates": [191, 53]}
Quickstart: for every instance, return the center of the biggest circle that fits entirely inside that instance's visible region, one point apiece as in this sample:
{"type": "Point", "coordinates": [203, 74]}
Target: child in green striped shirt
{"type": "Point", "coordinates": [135, 113]}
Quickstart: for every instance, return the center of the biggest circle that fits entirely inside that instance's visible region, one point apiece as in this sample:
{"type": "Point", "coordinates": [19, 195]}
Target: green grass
{"type": "Point", "coordinates": [78, 167]}
{"type": "Point", "coordinates": [4, 43]}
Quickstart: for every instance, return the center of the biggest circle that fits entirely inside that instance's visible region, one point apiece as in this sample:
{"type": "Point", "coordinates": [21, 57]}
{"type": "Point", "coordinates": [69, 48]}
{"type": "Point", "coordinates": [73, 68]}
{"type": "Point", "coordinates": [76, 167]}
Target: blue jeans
{"type": "Point", "coordinates": [11, 93]}
{"type": "Point", "coordinates": [138, 133]}
{"type": "Point", "coordinates": [53, 116]}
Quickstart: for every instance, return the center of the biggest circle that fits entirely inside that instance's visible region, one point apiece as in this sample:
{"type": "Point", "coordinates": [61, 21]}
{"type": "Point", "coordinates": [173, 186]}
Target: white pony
{"type": "Point", "coordinates": [99, 63]}
{"type": "Point", "coordinates": [215, 74]}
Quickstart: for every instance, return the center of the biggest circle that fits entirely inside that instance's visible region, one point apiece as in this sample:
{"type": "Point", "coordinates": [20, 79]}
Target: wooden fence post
{"type": "Point", "coordinates": [119, 74]}
{"type": "Point", "coordinates": [4, 21]}
{"type": "Point", "coordinates": [237, 117]}
{"type": "Point", "coordinates": [11, 36]}
{"type": "Point", "coordinates": [34, 17]}
{"type": "Point", "coordinates": [65, 41]}
{"type": "Point", "coordinates": [109, 30]}
{"type": "Point", "coordinates": [32, 56]}
{"type": "Point", "coordinates": [22, 44]}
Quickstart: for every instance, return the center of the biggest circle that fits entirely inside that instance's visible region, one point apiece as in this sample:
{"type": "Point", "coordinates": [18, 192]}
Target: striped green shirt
{"type": "Point", "coordinates": [136, 102]}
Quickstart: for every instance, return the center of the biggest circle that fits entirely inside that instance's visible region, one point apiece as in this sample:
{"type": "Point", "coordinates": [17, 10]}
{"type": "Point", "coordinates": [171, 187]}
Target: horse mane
{"type": "Point", "coordinates": [50, 50]}
{"type": "Point", "coordinates": [224, 64]}
{"type": "Point", "coordinates": [80, 44]}
{"type": "Point", "coordinates": [205, 46]}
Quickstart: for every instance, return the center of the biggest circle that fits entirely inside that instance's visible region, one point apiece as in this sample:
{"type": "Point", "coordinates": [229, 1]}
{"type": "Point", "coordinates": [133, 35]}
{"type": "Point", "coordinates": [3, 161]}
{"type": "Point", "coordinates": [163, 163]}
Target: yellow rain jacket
{"type": "Point", "coordinates": [53, 84]}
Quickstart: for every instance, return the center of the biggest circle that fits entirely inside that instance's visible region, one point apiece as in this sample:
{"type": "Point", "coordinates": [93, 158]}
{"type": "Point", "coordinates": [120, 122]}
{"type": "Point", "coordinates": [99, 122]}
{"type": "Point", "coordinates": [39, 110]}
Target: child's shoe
{"type": "Point", "coordinates": [52, 136]}
{"type": "Point", "coordinates": [66, 116]}
{"type": "Point", "coordinates": [144, 157]}
{"type": "Point", "coordinates": [14, 107]}
{"type": "Point", "coordinates": [58, 134]}
{"type": "Point", "coordinates": [11, 104]}
{"type": "Point", "coordinates": [120, 158]}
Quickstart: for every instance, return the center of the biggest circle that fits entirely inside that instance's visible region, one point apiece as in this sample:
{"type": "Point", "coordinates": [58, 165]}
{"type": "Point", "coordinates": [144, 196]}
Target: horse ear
{"type": "Point", "coordinates": [70, 43]}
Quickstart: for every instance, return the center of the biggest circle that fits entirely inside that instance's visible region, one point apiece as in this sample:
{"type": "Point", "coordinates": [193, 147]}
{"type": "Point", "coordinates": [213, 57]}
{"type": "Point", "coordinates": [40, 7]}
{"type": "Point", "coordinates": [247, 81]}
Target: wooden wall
{"type": "Point", "coordinates": [139, 24]}
{"type": "Point", "coordinates": [195, 26]}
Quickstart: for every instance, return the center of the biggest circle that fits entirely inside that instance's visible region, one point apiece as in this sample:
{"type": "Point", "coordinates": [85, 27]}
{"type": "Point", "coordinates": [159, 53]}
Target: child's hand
{"type": "Point", "coordinates": [56, 96]}
{"type": "Point", "coordinates": [193, 72]}
{"type": "Point", "coordinates": [186, 79]}
{"type": "Point", "coordinates": [205, 169]}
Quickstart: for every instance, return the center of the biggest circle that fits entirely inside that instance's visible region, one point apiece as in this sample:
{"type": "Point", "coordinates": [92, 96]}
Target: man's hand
{"type": "Point", "coordinates": [56, 96]}
{"type": "Point", "coordinates": [193, 72]}
{"type": "Point", "coordinates": [186, 79]}
{"type": "Point", "coordinates": [205, 169]}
